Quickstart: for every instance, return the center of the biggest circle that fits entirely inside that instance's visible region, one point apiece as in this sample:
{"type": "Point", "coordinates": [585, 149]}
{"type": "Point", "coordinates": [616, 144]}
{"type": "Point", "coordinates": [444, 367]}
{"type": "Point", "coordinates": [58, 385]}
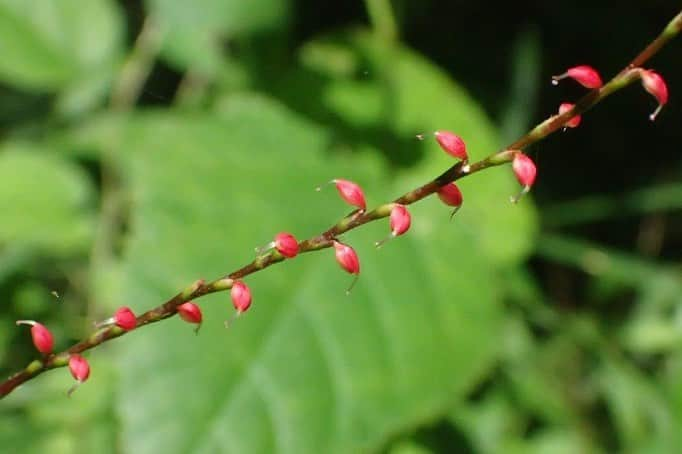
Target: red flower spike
{"type": "Point", "coordinates": [525, 171]}
{"type": "Point", "coordinates": [286, 244]}
{"type": "Point", "coordinates": [80, 370]}
{"type": "Point", "coordinates": [399, 221]}
{"type": "Point", "coordinates": [241, 296]}
{"type": "Point", "coordinates": [654, 84]}
{"type": "Point", "coordinates": [41, 336]}
{"type": "Point", "coordinates": [451, 196]}
{"type": "Point", "coordinates": [585, 75]}
{"type": "Point", "coordinates": [191, 313]}
{"type": "Point", "coordinates": [453, 145]}
{"type": "Point", "coordinates": [125, 318]}
{"type": "Point", "coordinates": [574, 121]}
{"type": "Point", "coordinates": [348, 260]}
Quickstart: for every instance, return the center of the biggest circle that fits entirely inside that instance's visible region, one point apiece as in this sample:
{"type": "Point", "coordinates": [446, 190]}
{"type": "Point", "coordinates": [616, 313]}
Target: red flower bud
{"type": "Point", "coordinates": [574, 121]}
{"type": "Point", "coordinates": [399, 221]}
{"type": "Point", "coordinates": [585, 75]}
{"type": "Point", "coordinates": [451, 196]}
{"type": "Point", "coordinates": [191, 313]}
{"type": "Point", "coordinates": [80, 369]}
{"type": "Point", "coordinates": [241, 296]}
{"type": "Point", "coordinates": [125, 318]}
{"type": "Point", "coordinates": [286, 244]}
{"type": "Point", "coordinates": [452, 144]}
{"type": "Point", "coordinates": [348, 259]}
{"type": "Point", "coordinates": [41, 336]}
{"type": "Point", "coordinates": [654, 84]}
{"type": "Point", "coordinates": [525, 171]}
{"type": "Point", "coordinates": [350, 192]}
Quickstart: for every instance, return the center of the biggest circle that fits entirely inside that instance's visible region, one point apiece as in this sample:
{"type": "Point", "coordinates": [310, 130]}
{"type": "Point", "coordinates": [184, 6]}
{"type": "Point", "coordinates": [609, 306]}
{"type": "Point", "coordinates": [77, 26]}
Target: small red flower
{"type": "Point", "coordinates": [348, 260]}
{"type": "Point", "coordinates": [286, 244]}
{"type": "Point", "coordinates": [525, 172]}
{"type": "Point", "coordinates": [125, 318]}
{"type": "Point", "coordinates": [41, 336]}
{"type": "Point", "coordinates": [350, 192]}
{"type": "Point", "coordinates": [585, 75]}
{"type": "Point", "coordinates": [451, 196]}
{"type": "Point", "coordinates": [654, 84]}
{"type": "Point", "coordinates": [452, 144]}
{"type": "Point", "coordinates": [80, 370]}
{"type": "Point", "coordinates": [191, 313]}
{"type": "Point", "coordinates": [241, 296]}
{"type": "Point", "coordinates": [399, 220]}
{"type": "Point", "coordinates": [574, 121]}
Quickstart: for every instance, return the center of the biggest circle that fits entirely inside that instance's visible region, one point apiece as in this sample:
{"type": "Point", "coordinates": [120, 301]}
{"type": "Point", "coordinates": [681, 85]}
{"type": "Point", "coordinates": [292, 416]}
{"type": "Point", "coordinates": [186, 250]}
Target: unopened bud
{"type": "Point", "coordinates": [41, 336]}
{"type": "Point", "coordinates": [453, 145]}
{"type": "Point", "coordinates": [585, 75]}
{"type": "Point", "coordinates": [80, 370]}
{"type": "Point", "coordinates": [451, 196]}
{"type": "Point", "coordinates": [654, 84]}
{"type": "Point", "coordinates": [191, 313]}
{"type": "Point", "coordinates": [525, 172]}
{"type": "Point", "coordinates": [574, 121]}
{"type": "Point", "coordinates": [399, 221]}
{"type": "Point", "coordinates": [350, 192]}
{"type": "Point", "coordinates": [348, 260]}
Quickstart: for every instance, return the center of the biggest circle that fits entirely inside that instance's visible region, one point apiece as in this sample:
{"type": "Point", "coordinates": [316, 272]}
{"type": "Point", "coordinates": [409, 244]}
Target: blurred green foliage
{"type": "Point", "coordinates": [150, 144]}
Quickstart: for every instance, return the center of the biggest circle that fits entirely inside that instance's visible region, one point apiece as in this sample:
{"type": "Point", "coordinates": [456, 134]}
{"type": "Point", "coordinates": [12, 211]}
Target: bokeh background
{"type": "Point", "coordinates": [146, 144]}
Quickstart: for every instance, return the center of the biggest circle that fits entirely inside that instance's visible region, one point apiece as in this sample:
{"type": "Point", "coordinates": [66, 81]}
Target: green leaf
{"type": "Point", "coordinates": [307, 369]}
{"type": "Point", "coordinates": [195, 32]}
{"type": "Point", "coordinates": [57, 43]}
{"type": "Point", "coordinates": [364, 86]}
{"type": "Point", "coordinates": [46, 202]}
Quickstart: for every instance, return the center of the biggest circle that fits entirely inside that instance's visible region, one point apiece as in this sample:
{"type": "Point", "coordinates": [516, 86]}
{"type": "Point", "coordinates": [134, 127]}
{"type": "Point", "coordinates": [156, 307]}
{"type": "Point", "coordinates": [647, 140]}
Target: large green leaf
{"type": "Point", "coordinates": [195, 32]}
{"type": "Point", "coordinates": [364, 86]}
{"type": "Point", "coordinates": [46, 202]}
{"type": "Point", "coordinates": [57, 42]}
{"type": "Point", "coordinates": [307, 369]}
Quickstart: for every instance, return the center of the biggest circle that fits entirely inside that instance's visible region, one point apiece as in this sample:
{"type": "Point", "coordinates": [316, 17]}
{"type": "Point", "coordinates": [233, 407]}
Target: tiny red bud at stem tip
{"type": "Point", "coordinates": [585, 75]}
{"type": "Point", "coordinates": [41, 336]}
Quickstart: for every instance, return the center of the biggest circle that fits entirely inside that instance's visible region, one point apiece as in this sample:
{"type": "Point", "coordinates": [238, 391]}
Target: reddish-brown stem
{"type": "Point", "coordinates": [628, 75]}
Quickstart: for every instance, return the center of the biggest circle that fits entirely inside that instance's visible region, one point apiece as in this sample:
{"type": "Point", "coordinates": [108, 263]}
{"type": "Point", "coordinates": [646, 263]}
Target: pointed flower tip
{"type": "Point", "coordinates": [41, 336]}
{"type": "Point", "coordinates": [452, 144]}
{"type": "Point", "coordinates": [574, 121]}
{"type": "Point", "coordinates": [241, 296]}
{"type": "Point", "coordinates": [286, 244]}
{"type": "Point", "coordinates": [655, 85]}
{"type": "Point", "coordinates": [585, 75]}
{"type": "Point", "coordinates": [351, 193]}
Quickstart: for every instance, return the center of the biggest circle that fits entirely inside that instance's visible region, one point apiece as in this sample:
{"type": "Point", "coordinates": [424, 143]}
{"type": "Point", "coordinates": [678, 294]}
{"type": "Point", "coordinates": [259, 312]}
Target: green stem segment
{"type": "Point", "coordinates": [628, 75]}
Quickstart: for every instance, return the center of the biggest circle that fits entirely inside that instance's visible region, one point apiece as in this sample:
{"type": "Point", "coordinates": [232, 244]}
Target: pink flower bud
{"type": "Point", "coordinates": [348, 260]}
{"type": "Point", "coordinates": [241, 296]}
{"type": "Point", "coordinates": [191, 313]}
{"type": "Point", "coordinates": [350, 192]}
{"type": "Point", "coordinates": [654, 84]}
{"type": "Point", "coordinates": [286, 244]}
{"type": "Point", "coordinates": [585, 75]}
{"type": "Point", "coordinates": [80, 370]}
{"type": "Point", "coordinates": [452, 144]}
{"type": "Point", "coordinates": [41, 336]}
{"type": "Point", "coordinates": [525, 171]}
{"type": "Point", "coordinates": [574, 121]}
{"type": "Point", "coordinates": [451, 196]}
{"type": "Point", "coordinates": [399, 221]}
{"type": "Point", "coordinates": [125, 318]}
